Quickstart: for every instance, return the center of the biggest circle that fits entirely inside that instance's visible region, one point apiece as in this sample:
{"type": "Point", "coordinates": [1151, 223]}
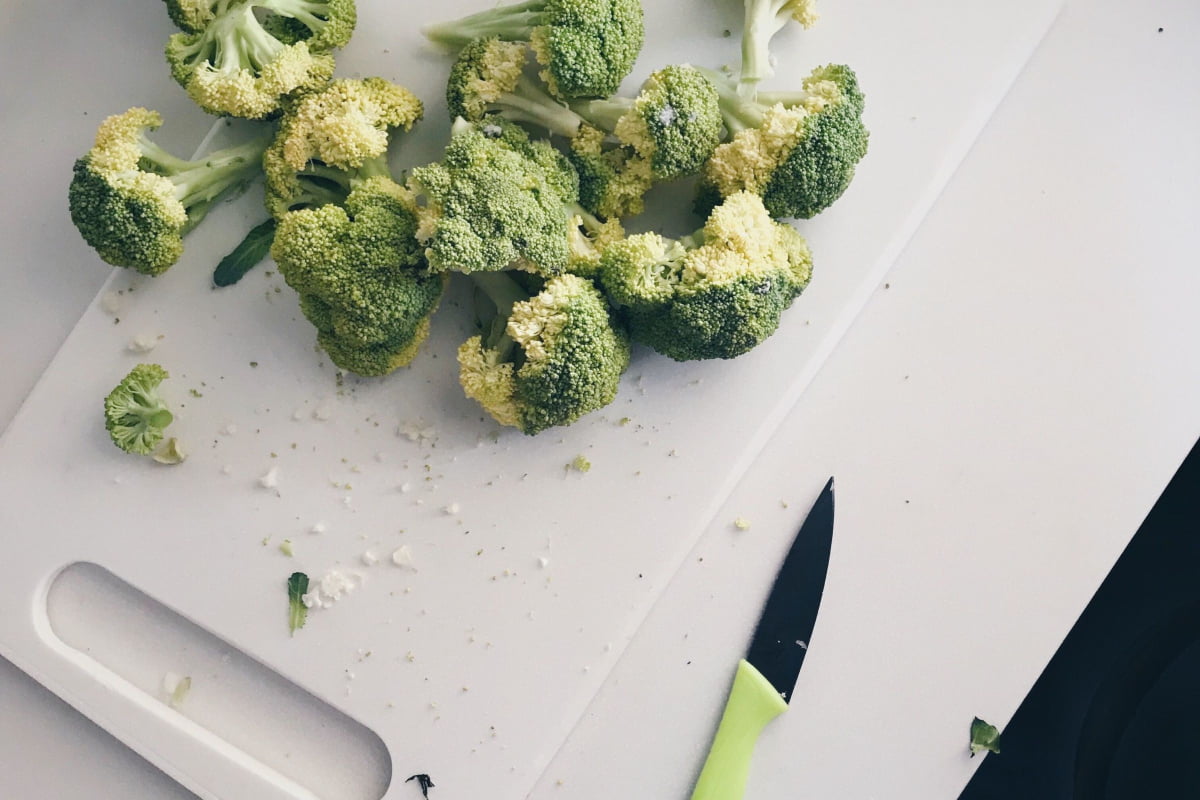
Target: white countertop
{"type": "Point", "coordinates": [1030, 364]}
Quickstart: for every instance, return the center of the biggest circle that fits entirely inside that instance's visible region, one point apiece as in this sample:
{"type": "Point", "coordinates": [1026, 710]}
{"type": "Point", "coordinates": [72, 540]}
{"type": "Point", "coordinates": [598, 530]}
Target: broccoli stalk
{"type": "Point", "coordinates": [764, 19]}
{"type": "Point", "coordinates": [133, 201]}
{"type": "Point", "coordinates": [547, 355]}
{"type": "Point", "coordinates": [587, 47]}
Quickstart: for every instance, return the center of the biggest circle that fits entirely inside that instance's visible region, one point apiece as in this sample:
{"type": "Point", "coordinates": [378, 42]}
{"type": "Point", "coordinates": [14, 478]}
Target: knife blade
{"type": "Point", "coordinates": [765, 678]}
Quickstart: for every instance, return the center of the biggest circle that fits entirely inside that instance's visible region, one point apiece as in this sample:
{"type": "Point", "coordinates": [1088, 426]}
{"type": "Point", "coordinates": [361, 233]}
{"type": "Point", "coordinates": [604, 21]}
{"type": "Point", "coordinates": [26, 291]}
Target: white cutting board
{"type": "Point", "coordinates": [481, 660]}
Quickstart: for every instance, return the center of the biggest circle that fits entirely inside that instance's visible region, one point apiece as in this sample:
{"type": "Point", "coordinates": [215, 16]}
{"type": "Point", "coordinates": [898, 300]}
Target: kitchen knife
{"type": "Point", "coordinates": [766, 676]}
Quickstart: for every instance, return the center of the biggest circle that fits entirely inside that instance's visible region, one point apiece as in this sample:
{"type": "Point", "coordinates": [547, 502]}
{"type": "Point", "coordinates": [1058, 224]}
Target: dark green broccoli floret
{"type": "Point", "coordinates": [715, 294]}
{"type": "Point", "coordinates": [586, 46]}
{"type": "Point", "coordinates": [360, 276]}
{"type": "Point", "coordinates": [546, 357]}
{"type": "Point", "coordinates": [763, 19]}
{"type": "Point", "coordinates": [495, 201]}
{"type": "Point", "coordinates": [133, 202]}
{"type": "Point", "coordinates": [799, 153]}
{"type": "Point", "coordinates": [332, 137]}
{"type": "Point", "coordinates": [134, 414]}
{"type": "Point", "coordinates": [244, 57]}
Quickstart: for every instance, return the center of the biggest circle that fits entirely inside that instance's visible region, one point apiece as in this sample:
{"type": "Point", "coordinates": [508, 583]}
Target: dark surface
{"type": "Point", "coordinates": [1151, 752]}
{"type": "Point", "coordinates": [785, 627]}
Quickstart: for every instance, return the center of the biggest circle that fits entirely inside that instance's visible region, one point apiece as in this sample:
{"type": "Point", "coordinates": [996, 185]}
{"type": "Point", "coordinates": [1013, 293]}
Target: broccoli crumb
{"type": "Point", "coordinates": [285, 547]}
{"type": "Point", "coordinates": [742, 524]}
{"type": "Point", "coordinates": [580, 464]}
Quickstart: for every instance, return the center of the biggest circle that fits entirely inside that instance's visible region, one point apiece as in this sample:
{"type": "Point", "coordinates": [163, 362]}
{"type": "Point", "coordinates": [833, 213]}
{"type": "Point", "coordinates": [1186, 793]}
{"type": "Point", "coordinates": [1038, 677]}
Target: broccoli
{"type": "Point", "coordinates": [243, 58]}
{"type": "Point", "coordinates": [799, 153]}
{"type": "Point", "coordinates": [586, 47]}
{"type": "Point", "coordinates": [619, 146]}
{"type": "Point", "coordinates": [546, 357]}
{"type": "Point", "coordinates": [359, 273]}
{"type": "Point", "coordinates": [765, 18]}
{"type": "Point", "coordinates": [133, 202]}
{"type": "Point", "coordinates": [330, 138]}
{"type": "Point", "coordinates": [134, 414]}
{"type": "Point", "coordinates": [496, 201]}
{"type": "Point", "coordinates": [588, 238]}
{"type": "Point", "coordinates": [715, 294]}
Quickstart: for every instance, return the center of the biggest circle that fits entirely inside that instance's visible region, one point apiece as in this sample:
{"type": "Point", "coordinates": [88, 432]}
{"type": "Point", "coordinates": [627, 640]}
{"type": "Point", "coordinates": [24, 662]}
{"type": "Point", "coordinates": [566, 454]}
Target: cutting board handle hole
{"type": "Point", "coordinates": [176, 673]}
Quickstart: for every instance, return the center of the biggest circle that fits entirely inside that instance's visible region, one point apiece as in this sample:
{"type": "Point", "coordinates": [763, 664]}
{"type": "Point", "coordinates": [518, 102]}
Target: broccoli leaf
{"type": "Point", "coordinates": [984, 737]}
{"type": "Point", "coordinates": [297, 612]}
{"type": "Point", "coordinates": [424, 782]}
{"type": "Point", "coordinates": [253, 249]}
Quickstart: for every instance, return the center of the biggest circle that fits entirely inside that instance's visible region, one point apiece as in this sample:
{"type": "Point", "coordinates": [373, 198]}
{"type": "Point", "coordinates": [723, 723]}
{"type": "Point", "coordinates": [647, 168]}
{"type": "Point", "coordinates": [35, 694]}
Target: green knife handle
{"type": "Point", "coordinates": [752, 703]}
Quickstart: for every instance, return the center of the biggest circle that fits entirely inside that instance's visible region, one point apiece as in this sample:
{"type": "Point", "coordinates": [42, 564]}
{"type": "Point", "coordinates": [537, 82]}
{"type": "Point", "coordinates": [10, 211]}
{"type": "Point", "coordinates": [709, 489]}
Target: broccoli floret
{"type": "Point", "coordinates": [613, 181]}
{"type": "Point", "coordinates": [715, 294]}
{"type": "Point", "coordinates": [764, 19]}
{"type": "Point", "coordinates": [133, 202]}
{"type": "Point", "coordinates": [330, 138]}
{"type": "Point", "coordinates": [588, 238]}
{"type": "Point", "coordinates": [674, 122]}
{"type": "Point", "coordinates": [249, 55]}
{"type": "Point", "coordinates": [496, 201]}
{"type": "Point", "coordinates": [587, 47]}
{"type": "Point", "coordinates": [135, 416]}
{"type": "Point", "coordinates": [546, 359]}
{"type": "Point", "coordinates": [360, 277]}
{"type": "Point", "coordinates": [799, 153]}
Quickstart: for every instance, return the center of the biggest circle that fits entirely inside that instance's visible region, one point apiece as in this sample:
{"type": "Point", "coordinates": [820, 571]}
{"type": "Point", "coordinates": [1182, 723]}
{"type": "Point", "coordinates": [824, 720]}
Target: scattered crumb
{"type": "Point", "coordinates": [417, 431]}
{"type": "Point", "coordinates": [144, 342]}
{"type": "Point", "coordinates": [110, 302]}
{"type": "Point", "coordinates": [580, 464]}
{"type": "Point", "coordinates": [742, 524]}
{"type": "Point", "coordinates": [402, 557]}
{"type": "Point", "coordinates": [543, 562]}
{"type": "Point", "coordinates": [369, 558]}
{"type": "Point", "coordinates": [229, 430]}
{"type": "Point", "coordinates": [451, 509]}
{"type": "Point", "coordinates": [171, 452]}
{"type": "Point", "coordinates": [285, 547]}
{"type": "Point", "coordinates": [176, 688]}
{"type": "Point", "coordinates": [318, 527]}
{"type": "Point", "coordinates": [270, 479]}
{"type": "Point", "coordinates": [406, 487]}
{"type": "Point", "coordinates": [332, 586]}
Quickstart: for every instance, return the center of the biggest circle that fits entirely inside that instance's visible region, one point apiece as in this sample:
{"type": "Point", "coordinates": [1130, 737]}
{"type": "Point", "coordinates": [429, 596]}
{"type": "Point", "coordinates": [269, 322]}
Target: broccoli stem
{"type": "Point", "coordinates": [200, 184]}
{"type": "Point", "coordinates": [531, 104]}
{"type": "Point", "coordinates": [738, 112]}
{"type": "Point", "coordinates": [591, 223]}
{"type": "Point", "coordinates": [302, 11]}
{"type": "Point", "coordinates": [764, 19]}
{"type": "Point", "coordinates": [502, 292]}
{"type": "Point", "coordinates": [512, 23]}
{"type": "Point", "coordinates": [603, 114]}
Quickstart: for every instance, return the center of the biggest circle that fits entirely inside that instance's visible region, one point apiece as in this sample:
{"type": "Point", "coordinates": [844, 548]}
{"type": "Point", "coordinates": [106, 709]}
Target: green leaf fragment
{"type": "Point", "coordinates": [297, 612]}
{"type": "Point", "coordinates": [984, 737]}
{"type": "Point", "coordinates": [252, 250]}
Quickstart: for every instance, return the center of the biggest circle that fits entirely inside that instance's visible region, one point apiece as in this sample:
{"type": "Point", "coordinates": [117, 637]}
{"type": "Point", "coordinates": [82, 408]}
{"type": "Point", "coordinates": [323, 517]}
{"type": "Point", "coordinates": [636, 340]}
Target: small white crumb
{"type": "Point", "coordinates": [269, 479]}
{"type": "Point", "coordinates": [381, 456]}
{"type": "Point", "coordinates": [229, 430]}
{"type": "Point", "coordinates": [451, 509]}
{"type": "Point", "coordinates": [110, 302]}
{"type": "Point", "coordinates": [176, 688]}
{"type": "Point", "coordinates": [323, 411]}
{"type": "Point", "coordinates": [543, 562]}
{"type": "Point", "coordinates": [332, 586]}
{"type": "Point", "coordinates": [298, 414]}
{"type": "Point", "coordinates": [227, 469]}
{"type": "Point", "coordinates": [406, 487]}
{"type": "Point", "coordinates": [742, 524]}
{"type": "Point", "coordinates": [346, 501]}
{"type": "Point", "coordinates": [803, 644]}
{"type": "Point", "coordinates": [402, 557]}
{"type": "Point", "coordinates": [369, 559]}
{"type": "Point", "coordinates": [285, 547]}
{"type": "Point", "coordinates": [668, 115]}
{"type": "Point", "coordinates": [417, 431]}
{"type": "Point", "coordinates": [144, 342]}
{"type": "Point", "coordinates": [317, 527]}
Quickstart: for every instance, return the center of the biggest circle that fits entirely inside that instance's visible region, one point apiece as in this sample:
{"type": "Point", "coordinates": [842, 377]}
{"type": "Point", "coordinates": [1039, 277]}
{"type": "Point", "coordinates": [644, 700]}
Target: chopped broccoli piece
{"type": "Point", "coordinates": [243, 58]}
{"type": "Point", "coordinates": [546, 357]}
{"type": "Point", "coordinates": [715, 294]}
{"type": "Point", "coordinates": [588, 238]}
{"type": "Point", "coordinates": [360, 276]}
{"type": "Point", "coordinates": [249, 252]}
{"type": "Point", "coordinates": [134, 413]}
{"type": "Point", "coordinates": [799, 154]}
{"type": "Point", "coordinates": [674, 122]}
{"type": "Point", "coordinates": [133, 202]}
{"type": "Point", "coordinates": [586, 47]}
{"type": "Point", "coordinates": [984, 737]}
{"type": "Point", "coordinates": [332, 138]}
{"type": "Point", "coordinates": [613, 181]}
{"type": "Point", "coordinates": [171, 452]}
{"type": "Point", "coordinates": [764, 19]}
{"type": "Point", "coordinates": [297, 586]}
{"type": "Point", "coordinates": [496, 201]}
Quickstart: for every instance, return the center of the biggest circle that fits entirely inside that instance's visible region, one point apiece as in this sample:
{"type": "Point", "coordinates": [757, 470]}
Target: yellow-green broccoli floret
{"type": "Point", "coordinates": [764, 19]}
{"type": "Point", "coordinates": [674, 122]}
{"type": "Point", "coordinates": [135, 416]}
{"type": "Point", "coordinates": [613, 181]}
{"type": "Point", "coordinates": [133, 202]}
{"type": "Point", "coordinates": [546, 357]}
{"type": "Point", "coordinates": [588, 238]}
{"type": "Point", "coordinates": [797, 150]}
{"type": "Point", "coordinates": [586, 47]}
{"type": "Point", "coordinates": [495, 201]}
{"type": "Point", "coordinates": [333, 137]}
{"type": "Point", "coordinates": [360, 276]}
{"type": "Point", "coordinates": [715, 294]}
{"type": "Point", "coordinates": [250, 55]}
